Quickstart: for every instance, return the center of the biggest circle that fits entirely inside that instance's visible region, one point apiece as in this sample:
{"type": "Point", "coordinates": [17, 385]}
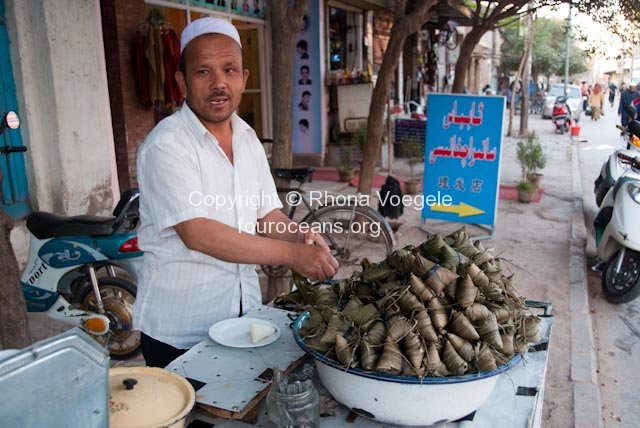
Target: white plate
{"type": "Point", "coordinates": [236, 333]}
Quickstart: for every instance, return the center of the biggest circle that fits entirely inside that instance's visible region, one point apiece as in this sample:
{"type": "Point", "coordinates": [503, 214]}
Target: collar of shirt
{"type": "Point", "coordinates": [201, 133]}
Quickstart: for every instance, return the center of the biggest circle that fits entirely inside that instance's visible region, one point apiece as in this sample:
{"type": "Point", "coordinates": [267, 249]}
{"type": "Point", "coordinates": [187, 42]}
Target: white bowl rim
{"type": "Point", "coordinates": [396, 378]}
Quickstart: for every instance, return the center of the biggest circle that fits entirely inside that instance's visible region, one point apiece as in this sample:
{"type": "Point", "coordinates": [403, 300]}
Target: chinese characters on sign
{"type": "Point", "coordinates": [462, 156]}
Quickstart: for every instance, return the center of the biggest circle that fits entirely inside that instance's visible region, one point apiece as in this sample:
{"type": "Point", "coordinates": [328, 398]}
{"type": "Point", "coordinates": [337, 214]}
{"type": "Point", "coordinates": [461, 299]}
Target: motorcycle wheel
{"type": "Point", "coordinates": [624, 286]}
{"type": "Point", "coordinates": [118, 296]}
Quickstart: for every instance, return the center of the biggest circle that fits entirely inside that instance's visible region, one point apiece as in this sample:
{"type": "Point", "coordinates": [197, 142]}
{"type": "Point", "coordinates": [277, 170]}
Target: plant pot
{"type": "Point", "coordinates": [345, 175]}
{"type": "Point", "coordinates": [525, 195]}
{"type": "Point", "coordinates": [534, 177]}
{"type": "Point", "coordinates": [412, 187]}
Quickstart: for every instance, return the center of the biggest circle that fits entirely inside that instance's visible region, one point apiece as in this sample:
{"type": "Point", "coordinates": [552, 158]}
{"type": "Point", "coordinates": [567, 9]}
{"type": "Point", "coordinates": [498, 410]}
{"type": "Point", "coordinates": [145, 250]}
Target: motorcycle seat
{"type": "Point", "coordinates": [47, 225]}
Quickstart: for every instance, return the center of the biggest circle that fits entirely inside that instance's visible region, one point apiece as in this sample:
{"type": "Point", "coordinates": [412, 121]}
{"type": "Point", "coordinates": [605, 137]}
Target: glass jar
{"type": "Point", "coordinates": [294, 410]}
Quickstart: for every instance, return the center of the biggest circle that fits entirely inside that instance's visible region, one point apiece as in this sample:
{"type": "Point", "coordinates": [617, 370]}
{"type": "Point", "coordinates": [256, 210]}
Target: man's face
{"type": "Point", "coordinates": [304, 73]}
{"type": "Point", "coordinates": [214, 79]}
{"type": "Point", "coordinates": [305, 99]}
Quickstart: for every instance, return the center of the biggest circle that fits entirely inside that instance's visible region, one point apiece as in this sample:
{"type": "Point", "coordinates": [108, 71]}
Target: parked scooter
{"type": "Point", "coordinates": [65, 256]}
{"type": "Point", "coordinates": [561, 115]}
{"type": "Point", "coordinates": [613, 168]}
{"type": "Point", "coordinates": [617, 234]}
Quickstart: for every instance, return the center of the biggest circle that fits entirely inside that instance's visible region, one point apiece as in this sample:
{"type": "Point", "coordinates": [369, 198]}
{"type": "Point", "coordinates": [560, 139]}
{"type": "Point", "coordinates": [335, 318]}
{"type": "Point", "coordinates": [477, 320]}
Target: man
{"type": "Point", "coordinates": [626, 98]}
{"type": "Point", "coordinates": [205, 188]}
{"type": "Point", "coordinates": [304, 102]}
{"type": "Point", "coordinates": [612, 93]}
{"type": "Point", "coordinates": [302, 47]}
{"type": "Point", "coordinates": [304, 75]}
{"type": "Point", "coordinates": [304, 125]}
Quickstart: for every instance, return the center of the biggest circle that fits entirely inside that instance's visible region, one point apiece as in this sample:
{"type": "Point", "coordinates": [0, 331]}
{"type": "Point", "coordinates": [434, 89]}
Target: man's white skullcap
{"type": "Point", "coordinates": [208, 25]}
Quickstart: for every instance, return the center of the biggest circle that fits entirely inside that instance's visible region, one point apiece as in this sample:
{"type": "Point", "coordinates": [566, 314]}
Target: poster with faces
{"type": "Point", "coordinates": [307, 106]}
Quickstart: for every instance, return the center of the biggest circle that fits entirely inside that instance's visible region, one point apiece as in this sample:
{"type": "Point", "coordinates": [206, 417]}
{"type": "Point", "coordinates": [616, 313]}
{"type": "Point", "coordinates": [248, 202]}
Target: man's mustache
{"type": "Point", "coordinates": [216, 94]}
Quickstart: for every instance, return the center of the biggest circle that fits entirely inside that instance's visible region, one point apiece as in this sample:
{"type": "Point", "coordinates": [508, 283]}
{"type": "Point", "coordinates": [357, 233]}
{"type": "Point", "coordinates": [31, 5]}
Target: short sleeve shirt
{"type": "Point", "coordinates": [183, 174]}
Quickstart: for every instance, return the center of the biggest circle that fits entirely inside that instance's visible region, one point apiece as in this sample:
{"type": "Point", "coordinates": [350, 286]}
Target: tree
{"type": "Point", "coordinates": [523, 70]}
{"type": "Point", "coordinates": [493, 14]}
{"type": "Point", "coordinates": [549, 41]}
{"type": "Point", "coordinates": [408, 18]}
{"type": "Point", "coordinates": [620, 17]}
{"type": "Point", "coordinates": [14, 327]}
{"type": "Point", "coordinates": [286, 22]}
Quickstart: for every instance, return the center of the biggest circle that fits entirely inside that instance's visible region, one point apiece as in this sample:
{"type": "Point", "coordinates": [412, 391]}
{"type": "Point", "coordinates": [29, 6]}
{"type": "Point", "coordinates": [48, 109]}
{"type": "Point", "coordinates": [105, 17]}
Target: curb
{"type": "Point", "coordinates": [587, 406]}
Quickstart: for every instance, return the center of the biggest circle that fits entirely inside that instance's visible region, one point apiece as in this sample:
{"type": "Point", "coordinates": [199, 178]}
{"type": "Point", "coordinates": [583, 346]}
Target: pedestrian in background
{"type": "Point", "coordinates": [596, 101]}
{"type": "Point", "coordinates": [626, 98]}
{"type": "Point", "coordinates": [612, 93]}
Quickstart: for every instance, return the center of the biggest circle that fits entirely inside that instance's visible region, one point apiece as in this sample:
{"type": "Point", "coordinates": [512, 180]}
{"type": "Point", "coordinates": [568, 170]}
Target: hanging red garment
{"type": "Point", "coordinates": [171, 59]}
{"type": "Point", "coordinates": [142, 70]}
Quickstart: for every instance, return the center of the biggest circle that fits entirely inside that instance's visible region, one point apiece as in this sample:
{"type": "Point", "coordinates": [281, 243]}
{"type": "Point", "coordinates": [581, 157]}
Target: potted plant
{"type": "Point", "coordinates": [414, 151]}
{"type": "Point", "coordinates": [526, 190]}
{"type": "Point", "coordinates": [531, 157]}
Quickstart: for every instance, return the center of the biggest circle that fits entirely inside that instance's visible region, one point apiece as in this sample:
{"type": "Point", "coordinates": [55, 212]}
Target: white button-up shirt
{"type": "Point", "coordinates": [184, 174]}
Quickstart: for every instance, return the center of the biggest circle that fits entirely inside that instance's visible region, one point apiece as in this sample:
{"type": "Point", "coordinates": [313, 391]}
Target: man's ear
{"type": "Point", "coordinates": [182, 83]}
{"type": "Point", "coordinates": [245, 76]}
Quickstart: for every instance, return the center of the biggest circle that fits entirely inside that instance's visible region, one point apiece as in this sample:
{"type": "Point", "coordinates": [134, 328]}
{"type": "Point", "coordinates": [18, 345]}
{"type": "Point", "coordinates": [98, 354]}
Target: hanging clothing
{"type": "Point", "coordinates": [171, 59]}
{"type": "Point", "coordinates": [142, 70]}
{"type": "Point", "coordinates": [153, 53]}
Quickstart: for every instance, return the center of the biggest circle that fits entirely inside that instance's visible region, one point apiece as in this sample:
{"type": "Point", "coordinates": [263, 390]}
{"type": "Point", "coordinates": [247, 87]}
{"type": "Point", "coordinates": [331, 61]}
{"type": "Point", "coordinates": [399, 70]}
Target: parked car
{"type": "Point", "coordinates": [574, 100]}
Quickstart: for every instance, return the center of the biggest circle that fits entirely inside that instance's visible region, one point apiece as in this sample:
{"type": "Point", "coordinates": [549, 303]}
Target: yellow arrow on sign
{"type": "Point", "coordinates": [462, 209]}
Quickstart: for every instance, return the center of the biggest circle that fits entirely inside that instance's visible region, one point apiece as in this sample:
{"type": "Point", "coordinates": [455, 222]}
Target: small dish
{"type": "Point", "coordinates": [235, 333]}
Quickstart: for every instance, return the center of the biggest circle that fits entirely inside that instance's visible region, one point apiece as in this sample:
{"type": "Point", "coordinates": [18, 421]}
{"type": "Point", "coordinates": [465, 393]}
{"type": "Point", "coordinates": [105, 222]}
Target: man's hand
{"type": "Point", "coordinates": [312, 238]}
{"type": "Point", "coordinates": [315, 261]}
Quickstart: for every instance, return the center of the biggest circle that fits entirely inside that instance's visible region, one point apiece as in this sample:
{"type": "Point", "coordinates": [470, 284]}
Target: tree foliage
{"type": "Point", "coordinates": [548, 48]}
{"type": "Point", "coordinates": [493, 14]}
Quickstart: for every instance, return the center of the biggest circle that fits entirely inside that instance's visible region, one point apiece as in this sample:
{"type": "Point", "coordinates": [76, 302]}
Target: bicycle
{"type": "Point", "coordinates": [352, 231]}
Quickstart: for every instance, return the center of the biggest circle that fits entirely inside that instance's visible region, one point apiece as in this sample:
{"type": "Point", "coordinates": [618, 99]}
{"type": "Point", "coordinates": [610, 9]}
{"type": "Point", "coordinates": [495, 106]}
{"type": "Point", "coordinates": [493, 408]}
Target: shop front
{"type": "Point", "coordinates": [142, 87]}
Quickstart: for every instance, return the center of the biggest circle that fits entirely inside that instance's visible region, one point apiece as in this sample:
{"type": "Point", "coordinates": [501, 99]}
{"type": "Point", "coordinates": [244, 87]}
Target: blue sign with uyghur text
{"type": "Point", "coordinates": [462, 157]}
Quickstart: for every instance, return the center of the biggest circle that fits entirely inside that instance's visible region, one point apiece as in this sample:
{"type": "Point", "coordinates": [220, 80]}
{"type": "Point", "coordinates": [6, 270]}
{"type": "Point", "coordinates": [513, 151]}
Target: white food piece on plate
{"type": "Point", "coordinates": [260, 331]}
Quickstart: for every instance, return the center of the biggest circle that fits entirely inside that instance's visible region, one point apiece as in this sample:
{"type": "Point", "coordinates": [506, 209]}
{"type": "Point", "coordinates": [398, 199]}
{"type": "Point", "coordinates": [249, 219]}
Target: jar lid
{"type": "Point", "coordinates": [147, 397]}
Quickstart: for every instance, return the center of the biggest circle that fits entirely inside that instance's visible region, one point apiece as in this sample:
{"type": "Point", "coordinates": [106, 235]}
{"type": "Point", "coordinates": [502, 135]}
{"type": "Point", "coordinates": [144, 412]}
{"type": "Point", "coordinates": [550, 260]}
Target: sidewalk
{"type": "Point", "coordinates": [543, 244]}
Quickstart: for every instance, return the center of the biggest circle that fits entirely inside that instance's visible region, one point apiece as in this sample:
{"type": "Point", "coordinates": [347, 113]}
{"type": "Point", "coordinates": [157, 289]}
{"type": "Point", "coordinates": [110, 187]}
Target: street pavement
{"type": "Point", "coordinates": [616, 327]}
{"type": "Point", "coordinates": [543, 244]}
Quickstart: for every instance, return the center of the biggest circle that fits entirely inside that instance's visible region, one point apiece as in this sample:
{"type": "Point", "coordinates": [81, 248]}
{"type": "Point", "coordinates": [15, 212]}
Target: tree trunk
{"type": "Point", "coordinates": [521, 70]}
{"type": "Point", "coordinates": [403, 26]}
{"type": "Point", "coordinates": [512, 102]}
{"type": "Point", "coordinates": [524, 110]}
{"type": "Point", "coordinates": [14, 327]}
{"type": "Point", "coordinates": [286, 22]}
{"type": "Point", "coordinates": [469, 43]}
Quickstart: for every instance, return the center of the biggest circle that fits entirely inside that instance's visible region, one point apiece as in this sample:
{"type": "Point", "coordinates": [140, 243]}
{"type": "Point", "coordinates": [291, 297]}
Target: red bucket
{"type": "Point", "coordinates": [575, 130]}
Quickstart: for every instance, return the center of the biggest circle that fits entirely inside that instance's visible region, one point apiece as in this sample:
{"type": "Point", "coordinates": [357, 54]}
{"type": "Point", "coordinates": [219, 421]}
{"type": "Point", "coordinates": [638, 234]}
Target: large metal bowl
{"type": "Point", "coordinates": [403, 400]}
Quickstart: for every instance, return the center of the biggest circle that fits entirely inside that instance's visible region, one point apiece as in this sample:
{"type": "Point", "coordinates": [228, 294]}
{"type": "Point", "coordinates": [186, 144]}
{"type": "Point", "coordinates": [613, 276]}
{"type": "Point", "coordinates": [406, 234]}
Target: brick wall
{"type": "Point", "coordinates": [131, 122]}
